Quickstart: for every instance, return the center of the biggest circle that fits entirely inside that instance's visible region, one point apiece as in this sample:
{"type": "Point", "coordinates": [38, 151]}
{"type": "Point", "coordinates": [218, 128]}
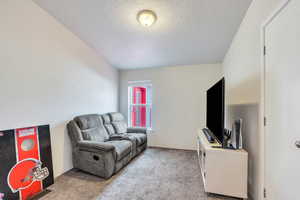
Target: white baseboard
{"type": "Point", "coordinates": [168, 147]}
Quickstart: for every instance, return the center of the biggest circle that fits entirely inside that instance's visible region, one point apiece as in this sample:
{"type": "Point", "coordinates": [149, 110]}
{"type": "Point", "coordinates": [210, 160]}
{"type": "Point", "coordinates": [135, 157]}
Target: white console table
{"type": "Point", "coordinates": [224, 171]}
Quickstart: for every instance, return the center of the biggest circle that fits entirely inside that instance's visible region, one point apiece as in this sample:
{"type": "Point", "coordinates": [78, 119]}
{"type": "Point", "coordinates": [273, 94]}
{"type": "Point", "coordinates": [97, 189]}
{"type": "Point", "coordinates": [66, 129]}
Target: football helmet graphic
{"type": "Point", "coordinates": [24, 173]}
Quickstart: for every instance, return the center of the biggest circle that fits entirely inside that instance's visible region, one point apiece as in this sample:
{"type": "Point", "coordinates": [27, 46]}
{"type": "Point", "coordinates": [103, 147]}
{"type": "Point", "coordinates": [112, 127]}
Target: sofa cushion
{"type": "Point", "coordinates": [110, 129]}
{"type": "Point", "coordinates": [118, 122]}
{"type": "Point", "coordinates": [106, 118]}
{"type": "Point", "coordinates": [141, 138]}
{"type": "Point", "coordinates": [130, 138]}
{"type": "Point", "coordinates": [120, 127]}
{"type": "Point", "coordinates": [116, 117]}
{"type": "Point", "coordinates": [92, 127]}
{"type": "Point", "coordinates": [122, 148]}
{"type": "Point", "coordinates": [88, 121]}
{"type": "Point", "coordinates": [95, 134]}
{"type": "Point", "coordinates": [107, 123]}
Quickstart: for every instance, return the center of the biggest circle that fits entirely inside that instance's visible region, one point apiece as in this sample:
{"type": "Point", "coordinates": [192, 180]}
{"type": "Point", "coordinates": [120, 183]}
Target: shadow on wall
{"type": "Point", "coordinates": [67, 150]}
{"type": "Point", "coordinates": [61, 149]}
{"type": "Point", "coordinates": [249, 113]}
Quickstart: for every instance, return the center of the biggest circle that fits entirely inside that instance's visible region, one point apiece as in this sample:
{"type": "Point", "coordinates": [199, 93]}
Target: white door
{"type": "Point", "coordinates": [282, 101]}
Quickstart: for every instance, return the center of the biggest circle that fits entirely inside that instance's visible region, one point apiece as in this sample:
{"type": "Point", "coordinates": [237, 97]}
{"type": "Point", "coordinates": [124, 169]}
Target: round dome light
{"type": "Point", "coordinates": [146, 18]}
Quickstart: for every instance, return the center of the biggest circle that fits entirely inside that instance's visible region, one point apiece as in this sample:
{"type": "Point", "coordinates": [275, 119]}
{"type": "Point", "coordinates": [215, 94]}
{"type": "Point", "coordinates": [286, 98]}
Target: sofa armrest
{"type": "Point", "coordinates": [95, 146]}
{"type": "Point", "coordinates": [137, 130]}
{"type": "Point", "coordinates": [74, 132]}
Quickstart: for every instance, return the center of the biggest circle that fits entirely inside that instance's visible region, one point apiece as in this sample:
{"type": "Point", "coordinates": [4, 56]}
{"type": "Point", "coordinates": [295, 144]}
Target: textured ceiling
{"type": "Point", "coordinates": [186, 32]}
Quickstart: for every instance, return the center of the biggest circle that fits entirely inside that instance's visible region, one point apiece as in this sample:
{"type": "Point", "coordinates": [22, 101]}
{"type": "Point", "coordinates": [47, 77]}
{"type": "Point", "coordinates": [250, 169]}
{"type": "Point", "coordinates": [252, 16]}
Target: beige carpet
{"type": "Point", "coordinates": [157, 174]}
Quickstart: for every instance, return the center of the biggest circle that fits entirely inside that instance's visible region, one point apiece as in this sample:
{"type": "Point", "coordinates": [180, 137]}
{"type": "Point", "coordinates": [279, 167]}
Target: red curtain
{"type": "Point", "coordinates": [139, 111]}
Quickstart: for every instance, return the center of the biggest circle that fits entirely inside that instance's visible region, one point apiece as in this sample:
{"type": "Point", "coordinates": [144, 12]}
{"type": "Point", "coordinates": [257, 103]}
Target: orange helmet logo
{"type": "Point", "coordinates": [24, 173]}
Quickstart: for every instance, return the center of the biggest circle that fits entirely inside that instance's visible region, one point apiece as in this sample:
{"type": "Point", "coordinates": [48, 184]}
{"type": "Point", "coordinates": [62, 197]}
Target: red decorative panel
{"type": "Point", "coordinates": [26, 162]}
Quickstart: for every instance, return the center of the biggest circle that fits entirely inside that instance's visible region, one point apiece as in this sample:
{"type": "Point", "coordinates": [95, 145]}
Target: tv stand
{"type": "Point", "coordinates": [224, 171]}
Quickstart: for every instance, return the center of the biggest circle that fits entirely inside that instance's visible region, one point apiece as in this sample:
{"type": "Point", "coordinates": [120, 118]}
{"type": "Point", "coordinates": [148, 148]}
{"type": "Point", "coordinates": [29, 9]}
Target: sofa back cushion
{"type": "Point", "coordinates": [118, 122]}
{"type": "Point", "coordinates": [92, 127]}
{"type": "Point", "coordinates": [108, 125]}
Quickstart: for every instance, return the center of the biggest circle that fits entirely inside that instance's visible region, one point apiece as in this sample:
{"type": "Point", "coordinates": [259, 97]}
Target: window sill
{"type": "Point", "coordinates": [150, 131]}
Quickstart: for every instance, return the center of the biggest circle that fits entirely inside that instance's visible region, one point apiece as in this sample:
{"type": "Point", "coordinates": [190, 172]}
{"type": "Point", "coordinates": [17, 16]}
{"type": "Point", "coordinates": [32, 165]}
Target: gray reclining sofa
{"type": "Point", "coordinates": [102, 144]}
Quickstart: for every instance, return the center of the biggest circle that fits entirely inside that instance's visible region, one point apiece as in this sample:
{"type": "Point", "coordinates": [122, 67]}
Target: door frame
{"type": "Point", "coordinates": [262, 113]}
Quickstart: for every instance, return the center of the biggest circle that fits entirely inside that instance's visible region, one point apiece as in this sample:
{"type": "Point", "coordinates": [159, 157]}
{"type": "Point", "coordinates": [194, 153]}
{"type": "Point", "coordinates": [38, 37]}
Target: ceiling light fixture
{"type": "Point", "coordinates": [146, 17]}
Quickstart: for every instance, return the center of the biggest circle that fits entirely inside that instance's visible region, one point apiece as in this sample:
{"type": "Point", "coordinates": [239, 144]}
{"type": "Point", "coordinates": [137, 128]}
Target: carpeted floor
{"type": "Point", "coordinates": [157, 174]}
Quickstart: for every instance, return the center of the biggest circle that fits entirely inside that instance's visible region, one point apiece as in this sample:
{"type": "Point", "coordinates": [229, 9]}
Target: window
{"type": "Point", "coordinates": [140, 104]}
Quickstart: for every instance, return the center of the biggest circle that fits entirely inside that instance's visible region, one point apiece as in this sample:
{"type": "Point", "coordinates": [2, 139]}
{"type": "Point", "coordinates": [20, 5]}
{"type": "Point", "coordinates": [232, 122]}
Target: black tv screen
{"type": "Point", "coordinates": [215, 109]}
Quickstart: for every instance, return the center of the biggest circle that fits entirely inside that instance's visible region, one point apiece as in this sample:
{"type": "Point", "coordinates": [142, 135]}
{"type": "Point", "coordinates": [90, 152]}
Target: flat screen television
{"type": "Point", "coordinates": [215, 109]}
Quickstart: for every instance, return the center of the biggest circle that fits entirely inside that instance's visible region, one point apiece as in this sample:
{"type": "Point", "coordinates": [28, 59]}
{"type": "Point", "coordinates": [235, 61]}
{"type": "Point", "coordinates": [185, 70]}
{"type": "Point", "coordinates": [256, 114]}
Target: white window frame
{"type": "Point", "coordinates": [147, 84]}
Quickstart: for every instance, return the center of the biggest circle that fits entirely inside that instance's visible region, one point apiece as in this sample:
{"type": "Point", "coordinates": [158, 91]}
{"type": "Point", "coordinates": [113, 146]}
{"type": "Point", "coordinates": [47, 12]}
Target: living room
{"type": "Point", "coordinates": [132, 78]}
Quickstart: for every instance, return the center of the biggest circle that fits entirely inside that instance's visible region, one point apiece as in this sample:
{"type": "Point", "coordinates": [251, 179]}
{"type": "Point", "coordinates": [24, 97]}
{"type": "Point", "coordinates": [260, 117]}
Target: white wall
{"type": "Point", "coordinates": [179, 101]}
{"type": "Point", "coordinates": [242, 70]}
{"type": "Point", "coordinates": [48, 76]}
